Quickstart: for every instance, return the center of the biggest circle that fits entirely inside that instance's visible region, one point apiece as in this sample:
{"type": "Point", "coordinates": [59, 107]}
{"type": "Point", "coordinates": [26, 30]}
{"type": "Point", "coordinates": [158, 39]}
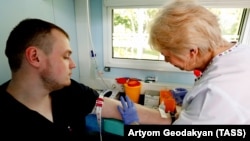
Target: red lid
{"type": "Point", "coordinates": [121, 80]}
{"type": "Point", "coordinates": [133, 83]}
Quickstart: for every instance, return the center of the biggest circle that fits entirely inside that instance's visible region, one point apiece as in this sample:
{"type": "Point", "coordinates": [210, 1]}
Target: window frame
{"type": "Point", "coordinates": [108, 5]}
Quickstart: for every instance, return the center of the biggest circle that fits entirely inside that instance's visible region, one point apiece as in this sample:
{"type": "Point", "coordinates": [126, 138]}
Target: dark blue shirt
{"type": "Point", "coordinates": [70, 105]}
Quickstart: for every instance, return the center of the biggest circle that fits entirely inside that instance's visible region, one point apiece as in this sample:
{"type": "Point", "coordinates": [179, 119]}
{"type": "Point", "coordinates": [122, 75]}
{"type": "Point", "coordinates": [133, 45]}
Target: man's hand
{"type": "Point", "coordinates": [128, 111]}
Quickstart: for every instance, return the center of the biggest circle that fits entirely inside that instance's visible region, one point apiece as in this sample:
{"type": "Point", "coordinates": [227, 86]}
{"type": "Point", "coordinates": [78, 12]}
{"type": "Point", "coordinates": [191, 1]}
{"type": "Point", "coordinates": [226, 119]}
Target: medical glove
{"type": "Point", "coordinates": [128, 111]}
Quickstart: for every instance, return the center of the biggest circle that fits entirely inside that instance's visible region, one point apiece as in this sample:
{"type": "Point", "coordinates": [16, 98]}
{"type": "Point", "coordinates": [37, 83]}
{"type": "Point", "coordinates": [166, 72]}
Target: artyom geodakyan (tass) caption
{"type": "Point", "coordinates": [194, 132]}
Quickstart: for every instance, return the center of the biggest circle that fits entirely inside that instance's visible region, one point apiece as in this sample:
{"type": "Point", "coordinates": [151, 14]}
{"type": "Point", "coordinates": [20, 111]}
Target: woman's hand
{"type": "Point", "coordinates": [128, 111]}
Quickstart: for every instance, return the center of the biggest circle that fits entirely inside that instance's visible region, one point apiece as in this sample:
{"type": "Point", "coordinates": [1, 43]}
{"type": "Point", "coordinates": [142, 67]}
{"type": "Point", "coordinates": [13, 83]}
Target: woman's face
{"type": "Point", "coordinates": [183, 63]}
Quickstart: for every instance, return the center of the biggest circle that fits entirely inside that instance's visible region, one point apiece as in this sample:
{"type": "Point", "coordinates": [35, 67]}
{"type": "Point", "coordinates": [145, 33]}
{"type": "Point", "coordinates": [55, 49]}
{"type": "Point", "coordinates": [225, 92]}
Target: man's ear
{"type": "Point", "coordinates": [32, 55]}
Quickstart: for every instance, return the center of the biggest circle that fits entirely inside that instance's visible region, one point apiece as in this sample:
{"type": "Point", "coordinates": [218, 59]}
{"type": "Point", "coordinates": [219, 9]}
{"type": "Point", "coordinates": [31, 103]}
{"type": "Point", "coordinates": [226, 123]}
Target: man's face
{"type": "Point", "coordinates": [58, 64]}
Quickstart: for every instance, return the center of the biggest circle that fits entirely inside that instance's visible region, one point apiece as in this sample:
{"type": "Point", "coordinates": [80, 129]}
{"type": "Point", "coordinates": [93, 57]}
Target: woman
{"type": "Point", "coordinates": [189, 37]}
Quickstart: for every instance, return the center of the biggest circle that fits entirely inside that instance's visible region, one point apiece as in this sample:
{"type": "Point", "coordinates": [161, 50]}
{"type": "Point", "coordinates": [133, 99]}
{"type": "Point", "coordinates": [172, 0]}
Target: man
{"type": "Point", "coordinates": [41, 100]}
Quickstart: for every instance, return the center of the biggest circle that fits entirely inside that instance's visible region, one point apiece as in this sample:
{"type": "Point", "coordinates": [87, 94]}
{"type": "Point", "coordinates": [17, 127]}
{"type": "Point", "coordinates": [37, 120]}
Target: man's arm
{"type": "Point", "coordinates": [146, 115]}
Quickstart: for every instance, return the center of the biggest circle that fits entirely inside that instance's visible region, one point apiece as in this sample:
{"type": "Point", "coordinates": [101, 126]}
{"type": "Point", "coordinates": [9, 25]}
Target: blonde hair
{"type": "Point", "coordinates": [185, 24]}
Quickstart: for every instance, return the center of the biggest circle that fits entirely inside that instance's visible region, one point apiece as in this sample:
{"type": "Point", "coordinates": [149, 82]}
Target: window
{"type": "Point", "coordinates": [125, 30]}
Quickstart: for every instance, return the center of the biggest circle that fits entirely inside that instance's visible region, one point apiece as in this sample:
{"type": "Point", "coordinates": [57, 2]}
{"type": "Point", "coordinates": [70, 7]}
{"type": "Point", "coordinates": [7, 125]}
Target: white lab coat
{"type": "Point", "coordinates": [222, 94]}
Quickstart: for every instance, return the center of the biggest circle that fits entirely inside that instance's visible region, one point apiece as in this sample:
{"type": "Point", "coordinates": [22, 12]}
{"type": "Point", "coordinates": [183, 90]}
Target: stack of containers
{"type": "Point", "coordinates": [168, 100]}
